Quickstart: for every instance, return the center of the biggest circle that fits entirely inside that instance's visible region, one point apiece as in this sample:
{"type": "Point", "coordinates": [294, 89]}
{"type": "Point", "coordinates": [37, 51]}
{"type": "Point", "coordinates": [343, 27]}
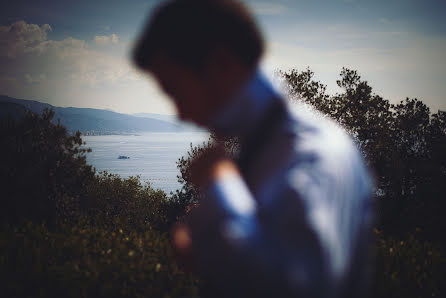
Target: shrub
{"type": "Point", "coordinates": [85, 260]}
{"type": "Point", "coordinates": [408, 267]}
{"type": "Point", "coordinates": [111, 197]}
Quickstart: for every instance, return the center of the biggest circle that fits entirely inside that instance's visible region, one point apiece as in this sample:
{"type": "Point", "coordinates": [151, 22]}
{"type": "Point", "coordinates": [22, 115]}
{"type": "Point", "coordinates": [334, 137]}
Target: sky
{"type": "Point", "coordinates": [77, 53]}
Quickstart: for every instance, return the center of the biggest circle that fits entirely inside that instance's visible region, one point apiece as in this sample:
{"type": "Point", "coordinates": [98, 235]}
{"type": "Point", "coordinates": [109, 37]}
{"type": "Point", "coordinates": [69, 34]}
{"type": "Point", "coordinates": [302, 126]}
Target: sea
{"type": "Point", "coordinates": [152, 156]}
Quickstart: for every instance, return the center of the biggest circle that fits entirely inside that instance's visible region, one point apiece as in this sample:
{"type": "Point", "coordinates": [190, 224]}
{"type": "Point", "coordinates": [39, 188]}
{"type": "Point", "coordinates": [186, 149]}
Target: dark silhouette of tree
{"type": "Point", "coordinates": [43, 169]}
{"type": "Point", "coordinates": [404, 144]}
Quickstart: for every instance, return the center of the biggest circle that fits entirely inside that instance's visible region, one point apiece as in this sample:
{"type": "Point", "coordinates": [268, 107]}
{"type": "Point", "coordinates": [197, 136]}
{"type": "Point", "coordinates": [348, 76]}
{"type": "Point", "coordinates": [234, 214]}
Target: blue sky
{"type": "Point", "coordinates": [75, 53]}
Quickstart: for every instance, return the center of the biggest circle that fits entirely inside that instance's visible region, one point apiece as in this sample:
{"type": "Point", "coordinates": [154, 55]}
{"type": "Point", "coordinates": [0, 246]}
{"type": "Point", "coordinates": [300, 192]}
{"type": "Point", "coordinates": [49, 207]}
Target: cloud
{"type": "Point", "coordinates": [106, 39]}
{"type": "Point", "coordinates": [31, 65]}
{"type": "Point", "coordinates": [267, 8]}
{"type": "Point", "coordinates": [61, 49]}
{"type": "Point", "coordinates": [73, 72]}
{"type": "Point", "coordinates": [35, 79]}
{"type": "Point", "coordinates": [19, 36]}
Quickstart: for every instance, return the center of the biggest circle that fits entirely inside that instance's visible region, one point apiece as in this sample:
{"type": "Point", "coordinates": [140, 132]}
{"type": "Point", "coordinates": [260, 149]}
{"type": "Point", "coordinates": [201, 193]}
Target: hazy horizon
{"type": "Point", "coordinates": [77, 54]}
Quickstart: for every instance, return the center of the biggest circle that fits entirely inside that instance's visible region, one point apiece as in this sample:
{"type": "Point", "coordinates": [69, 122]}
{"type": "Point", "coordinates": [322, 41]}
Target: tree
{"type": "Point", "coordinates": [404, 145]}
{"type": "Point", "coordinates": [43, 168]}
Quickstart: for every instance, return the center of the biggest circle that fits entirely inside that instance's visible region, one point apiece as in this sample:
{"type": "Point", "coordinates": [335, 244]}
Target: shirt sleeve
{"type": "Point", "coordinates": [233, 232]}
{"type": "Point", "coordinates": [228, 211]}
{"type": "Point", "coordinates": [305, 235]}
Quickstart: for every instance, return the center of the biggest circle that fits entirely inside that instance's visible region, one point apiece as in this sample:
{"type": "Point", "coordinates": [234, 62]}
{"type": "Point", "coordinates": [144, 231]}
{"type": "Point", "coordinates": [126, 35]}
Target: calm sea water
{"type": "Point", "coordinates": [153, 156]}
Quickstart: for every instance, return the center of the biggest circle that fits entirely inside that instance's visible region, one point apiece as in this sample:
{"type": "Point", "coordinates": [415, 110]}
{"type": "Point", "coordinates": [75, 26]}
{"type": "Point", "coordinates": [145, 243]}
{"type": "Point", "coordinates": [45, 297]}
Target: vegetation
{"type": "Point", "coordinates": [405, 147]}
{"type": "Point", "coordinates": [67, 231]}
{"type": "Point", "coordinates": [89, 260]}
{"type": "Point", "coordinates": [404, 144]}
{"type": "Point", "coordinates": [407, 266]}
{"type": "Point", "coordinates": [43, 172]}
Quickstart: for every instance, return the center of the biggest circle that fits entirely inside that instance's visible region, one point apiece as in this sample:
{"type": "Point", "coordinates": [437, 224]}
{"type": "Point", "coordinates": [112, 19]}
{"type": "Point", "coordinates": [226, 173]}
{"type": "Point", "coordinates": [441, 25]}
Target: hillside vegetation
{"type": "Point", "coordinates": [67, 231]}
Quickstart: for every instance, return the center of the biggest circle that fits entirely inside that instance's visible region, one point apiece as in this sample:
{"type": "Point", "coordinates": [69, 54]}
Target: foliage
{"type": "Point", "coordinates": [190, 193]}
{"type": "Point", "coordinates": [41, 163]}
{"type": "Point", "coordinates": [403, 143]}
{"type": "Point", "coordinates": [85, 260]}
{"type": "Point", "coordinates": [110, 197]}
{"type": "Point", "coordinates": [105, 236]}
{"type": "Point", "coordinates": [411, 267]}
{"type": "Point", "coordinates": [45, 176]}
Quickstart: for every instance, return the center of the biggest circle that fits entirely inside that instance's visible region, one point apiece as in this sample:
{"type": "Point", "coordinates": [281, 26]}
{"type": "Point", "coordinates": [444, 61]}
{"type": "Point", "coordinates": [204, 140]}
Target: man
{"type": "Point", "coordinates": [290, 217]}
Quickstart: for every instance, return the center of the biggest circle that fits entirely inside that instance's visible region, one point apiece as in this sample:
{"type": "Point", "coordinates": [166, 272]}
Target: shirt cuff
{"type": "Point", "coordinates": [231, 195]}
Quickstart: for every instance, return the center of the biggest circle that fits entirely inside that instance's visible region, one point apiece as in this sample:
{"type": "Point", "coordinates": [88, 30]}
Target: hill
{"type": "Point", "coordinates": [188, 126]}
{"type": "Point", "coordinates": [92, 121]}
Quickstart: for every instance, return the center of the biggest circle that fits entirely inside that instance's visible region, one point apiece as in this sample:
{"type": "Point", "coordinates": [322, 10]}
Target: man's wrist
{"type": "Point", "coordinates": [223, 168]}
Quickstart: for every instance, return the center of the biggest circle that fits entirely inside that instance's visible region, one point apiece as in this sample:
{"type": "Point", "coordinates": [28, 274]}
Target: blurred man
{"type": "Point", "coordinates": [290, 217]}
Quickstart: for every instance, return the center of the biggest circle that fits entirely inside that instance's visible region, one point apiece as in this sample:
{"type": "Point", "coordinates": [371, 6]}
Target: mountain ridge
{"type": "Point", "coordinates": [92, 121]}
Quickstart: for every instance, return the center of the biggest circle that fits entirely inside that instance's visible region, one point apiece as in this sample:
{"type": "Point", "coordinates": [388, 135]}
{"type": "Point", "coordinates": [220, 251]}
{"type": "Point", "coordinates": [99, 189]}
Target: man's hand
{"type": "Point", "coordinates": [182, 243]}
{"type": "Point", "coordinates": [210, 165]}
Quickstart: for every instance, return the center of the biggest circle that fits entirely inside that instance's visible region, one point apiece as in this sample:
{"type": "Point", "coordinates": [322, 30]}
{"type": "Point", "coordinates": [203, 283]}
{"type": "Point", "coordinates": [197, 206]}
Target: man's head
{"type": "Point", "coordinates": [200, 51]}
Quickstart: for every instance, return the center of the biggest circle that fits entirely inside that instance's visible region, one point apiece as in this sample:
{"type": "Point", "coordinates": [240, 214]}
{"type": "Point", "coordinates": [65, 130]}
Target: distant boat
{"type": "Point", "coordinates": [123, 157]}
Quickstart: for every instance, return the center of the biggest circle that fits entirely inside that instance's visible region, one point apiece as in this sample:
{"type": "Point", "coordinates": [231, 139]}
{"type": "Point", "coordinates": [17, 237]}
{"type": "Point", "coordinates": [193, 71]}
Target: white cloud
{"type": "Point", "coordinates": [28, 46]}
{"type": "Point", "coordinates": [19, 36]}
{"type": "Point", "coordinates": [106, 39]}
{"type": "Point", "coordinates": [62, 49]}
{"type": "Point", "coordinates": [72, 72]}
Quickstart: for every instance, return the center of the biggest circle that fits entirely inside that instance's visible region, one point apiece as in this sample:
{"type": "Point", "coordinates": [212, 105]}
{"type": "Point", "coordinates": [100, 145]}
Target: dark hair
{"type": "Point", "coordinates": [188, 30]}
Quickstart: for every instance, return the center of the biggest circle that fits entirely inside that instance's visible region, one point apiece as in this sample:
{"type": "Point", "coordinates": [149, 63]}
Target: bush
{"type": "Point", "coordinates": [110, 197]}
{"type": "Point", "coordinates": [408, 267]}
{"type": "Point", "coordinates": [85, 260]}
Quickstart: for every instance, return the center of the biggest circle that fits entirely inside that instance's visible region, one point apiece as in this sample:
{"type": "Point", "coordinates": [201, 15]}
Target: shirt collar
{"type": "Point", "coordinates": [245, 109]}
